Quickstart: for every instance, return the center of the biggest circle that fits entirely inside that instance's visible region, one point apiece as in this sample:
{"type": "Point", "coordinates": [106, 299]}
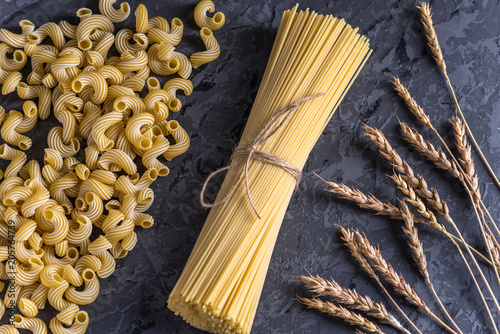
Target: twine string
{"type": "Point", "coordinates": [243, 154]}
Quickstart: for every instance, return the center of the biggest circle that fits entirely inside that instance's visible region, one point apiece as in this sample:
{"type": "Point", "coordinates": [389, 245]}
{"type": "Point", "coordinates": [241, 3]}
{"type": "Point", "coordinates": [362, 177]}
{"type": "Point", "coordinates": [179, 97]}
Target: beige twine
{"type": "Point", "coordinates": [246, 153]}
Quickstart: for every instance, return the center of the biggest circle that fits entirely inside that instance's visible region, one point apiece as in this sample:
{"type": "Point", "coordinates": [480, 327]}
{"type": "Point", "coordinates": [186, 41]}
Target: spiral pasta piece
{"type": "Point", "coordinates": [132, 61]}
{"type": "Point", "coordinates": [78, 326]}
{"type": "Point", "coordinates": [89, 24]}
{"type": "Point", "coordinates": [41, 92]}
{"type": "Point", "coordinates": [15, 63]}
{"type": "Point", "coordinates": [60, 227]}
{"type": "Point", "coordinates": [134, 132]}
{"type": "Point", "coordinates": [119, 158]}
{"type": "Point", "coordinates": [67, 315]}
{"type": "Point", "coordinates": [17, 40]}
{"type": "Point", "coordinates": [27, 307]}
{"type": "Point", "coordinates": [9, 133]}
{"type": "Point", "coordinates": [212, 52]}
{"type": "Point", "coordinates": [115, 15]}
{"type": "Point", "coordinates": [123, 37]}
{"type": "Point", "coordinates": [10, 83]}
{"type": "Point", "coordinates": [96, 81]}
{"type": "Point", "coordinates": [100, 127]}
{"type": "Point", "coordinates": [17, 158]}
{"type": "Point", "coordinates": [182, 141]}
{"type": "Point", "coordinates": [35, 325]}
{"type": "Point", "coordinates": [202, 20]}
{"type": "Point", "coordinates": [141, 19]}
{"type": "Point", "coordinates": [150, 157]}
{"type": "Point", "coordinates": [49, 29]}
{"type": "Point", "coordinates": [89, 293]}
{"type": "Point", "coordinates": [172, 36]}
{"type": "Point", "coordinates": [172, 86]}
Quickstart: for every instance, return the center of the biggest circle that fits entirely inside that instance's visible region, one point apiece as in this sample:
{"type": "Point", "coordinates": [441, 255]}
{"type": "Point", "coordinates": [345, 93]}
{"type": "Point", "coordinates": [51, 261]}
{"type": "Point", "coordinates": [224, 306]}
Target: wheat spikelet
{"type": "Point", "coordinates": [415, 109]}
{"type": "Point", "coordinates": [465, 158]}
{"type": "Point", "coordinates": [416, 201]}
{"type": "Point", "coordinates": [364, 201]}
{"type": "Point", "coordinates": [416, 246]}
{"type": "Point", "coordinates": [350, 298]}
{"type": "Point", "coordinates": [424, 147]}
{"type": "Point", "coordinates": [348, 316]}
{"type": "Point", "coordinates": [430, 33]}
{"type": "Point", "coordinates": [417, 182]}
{"type": "Point", "coordinates": [494, 250]}
{"type": "Point", "coordinates": [395, 279]}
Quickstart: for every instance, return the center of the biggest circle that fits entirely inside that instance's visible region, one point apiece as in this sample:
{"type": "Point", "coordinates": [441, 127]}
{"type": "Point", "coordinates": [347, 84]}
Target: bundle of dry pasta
{"type": "Point", "coordinates": [314, 57]}
{"type": "Point", "coordinates": [63, 224]}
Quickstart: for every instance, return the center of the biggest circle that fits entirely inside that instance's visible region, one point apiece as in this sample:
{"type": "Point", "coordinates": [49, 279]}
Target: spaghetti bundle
{"type": "Point", "coordinates": [314, 60]}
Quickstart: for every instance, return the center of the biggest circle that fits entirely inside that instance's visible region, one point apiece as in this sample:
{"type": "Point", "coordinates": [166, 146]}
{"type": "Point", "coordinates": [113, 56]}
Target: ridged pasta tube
{"type": "Point", "coordinates": [9, 133]}
{"type": "Point", "coordinates": [17, 158]}
{"type": "Point", "coordinates": [134, 128]}
{"type": "Point", "coordinates": [90, 24]}
{"type": "Point", "coordinates": [96, 81]}
{"type": "Point", "coordinates": [35, 325]}
{"type": "Point", "coordinates": [89, 293]}
{"type": "Point", "coordinates": [150, 157]}
{"type": "Point", "coordinates": [49, 29]}
{"type": "Point", "coordinates": [202, 20]}
{"type": "Point", "coordinates": [41, 92]}
{"type": "Point", "coordinates": [79, 326]}
{"type": "Point", "coordinates": [15, 63]}
{"type": "Point", "coordinates": [212, 52]}
{"type": "Point", "coordinates": [100, 127]}
{"type": "Point", "coordinates": [172, 36]}
{"type": "Point", "coordinates": [115, 15]}
{"type": "Point", "coordinates": [123, 38]}
{"type": "Point", "coordinates": [181, 137]}
{"type": "Point", "coordinates": [17, 40]}
{"type": "Point", "coordinates": [172, 86]}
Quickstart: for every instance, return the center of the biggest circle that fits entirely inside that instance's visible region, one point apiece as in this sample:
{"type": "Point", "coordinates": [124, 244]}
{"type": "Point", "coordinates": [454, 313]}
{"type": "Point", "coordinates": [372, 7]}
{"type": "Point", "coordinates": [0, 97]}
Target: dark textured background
{"type": "Point", "coordinates": [133, 300]}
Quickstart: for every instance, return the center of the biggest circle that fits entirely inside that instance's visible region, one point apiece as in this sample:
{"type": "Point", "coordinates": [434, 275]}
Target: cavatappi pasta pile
{"type": "Point", "coordinates": [64, 223]}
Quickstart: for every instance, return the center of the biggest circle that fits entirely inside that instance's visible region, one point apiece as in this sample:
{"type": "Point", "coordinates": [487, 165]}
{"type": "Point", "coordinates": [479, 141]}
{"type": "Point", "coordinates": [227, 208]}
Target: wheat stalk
{"type": "Point", "coordinates": [417, 250]}
{"type": "Point", "coordinates": [385, 208]}
{"type": "Point", "coordinates": [338, 311]}
{"type": "Point", "coordinates": [433, 199]}
{"type": "Point", "coordinates": [441, 160]}
{"type": "Point", "coordinates": [350, 241]}
{"type": "Point", "coordinates": [364, 201]}
{"type": "Point", "coordinates": [352, 299]}
{"type": "Point", "coordinates": [437, 156]}
{"type": "Point", "coordinates": [396, 280]}
{"type": "Point", "coordinates": [425, 11]}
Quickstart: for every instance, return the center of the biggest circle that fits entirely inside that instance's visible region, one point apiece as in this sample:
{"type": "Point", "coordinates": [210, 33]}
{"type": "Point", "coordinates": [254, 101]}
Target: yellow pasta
{"type": "Point", "coordinates": [118, 157]}
{"type": "Point", "coordinates": [27, 308]}
{"type": "Point", "coordinates": [78, 326]}
{"type": "Point", "coordinates": [115, 15]}
{"type": "Point", "coordinates": [17, 40]}
{"type": "Point", "coordinates": [15, 63]}
{"type": "Point", "coordinates": [172, 86]}
{"type": "Point", "coordinates": [9, 133]}
{"type": "Point", "coordinates": [220, 286]}
{"type": "Point", "coordinates": [149, 159]}
{"type": "Point", "coordinates": [96, 81]}
{"type": "Point", "coordinates": [134, 133]}
{"type": "Point", "coordinates": [171, 36]}
{"type": "Point", "coordinates": [89, 24]}
{"type": "Point", "coordinates": [202, 20]}
{"type": "Point", "coordinates": [132, 61]}
{"type": "Point", "coordinates": [123, 37]}
{"type": "Point", "coordinates": [212, 52]}
{"type": "Point", "coordinates": [96, 97]}
{"type": "Point", "coordinates": [181, 138]}
{"type": "Point", "coordinates": [67, 315]}
{"type": "Point", "coordinates": [41, 92]}
{"type": "Point", "coordinates": [49, 29]}
{"type": "Point", "coordinates": [35, 325]}
{"type": "Point", "coordinates": [10, 83]}
{"type": "Point", "coordinates": [16, 157]}
{"type": "Point", "coordinates": [141, 19]}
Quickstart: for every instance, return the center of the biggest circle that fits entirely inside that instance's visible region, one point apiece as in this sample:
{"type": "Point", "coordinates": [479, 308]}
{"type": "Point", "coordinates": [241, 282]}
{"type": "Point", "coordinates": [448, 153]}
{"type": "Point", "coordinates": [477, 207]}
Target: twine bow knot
{"type": "Point", "coordinates": [243, 154]}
